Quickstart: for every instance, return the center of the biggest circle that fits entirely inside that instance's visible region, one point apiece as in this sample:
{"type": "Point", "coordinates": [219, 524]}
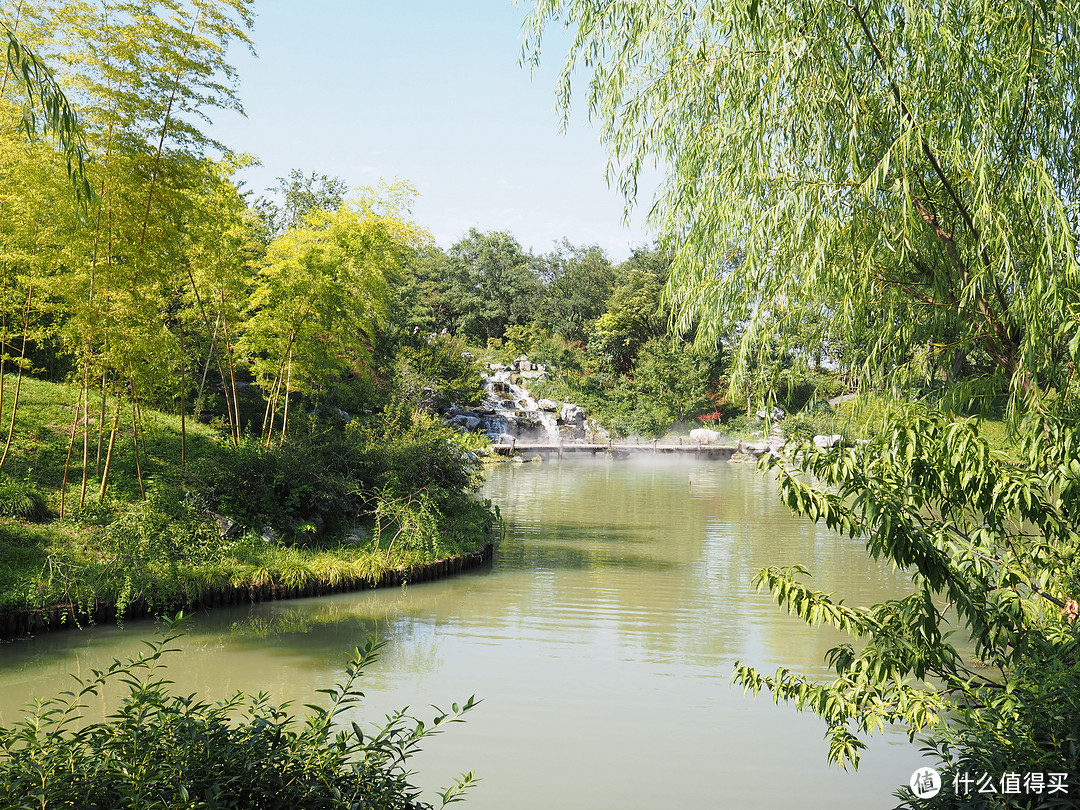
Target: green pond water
{"type": "Point", "coordinates": [601, 641]}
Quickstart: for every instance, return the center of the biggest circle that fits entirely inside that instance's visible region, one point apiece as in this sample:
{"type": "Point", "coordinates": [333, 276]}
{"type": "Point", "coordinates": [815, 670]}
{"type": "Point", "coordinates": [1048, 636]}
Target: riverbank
{"type": "Point", "coordinates": [20, 624]}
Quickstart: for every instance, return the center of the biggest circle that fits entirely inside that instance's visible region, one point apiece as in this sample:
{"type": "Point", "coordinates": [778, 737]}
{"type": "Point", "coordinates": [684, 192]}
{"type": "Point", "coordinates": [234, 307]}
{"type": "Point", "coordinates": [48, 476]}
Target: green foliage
{"type": "Point", "coordinates": [300, 196]}
{"type": "Point", "coordinates": [23, 500]}
{"type": "Point", "coordinates": [901, 175]}
{"type": "Point", "coordinates": [669, 382]}
{"type": "Point", "coordinates": [994, 541]}
{"type": "Point", "coordinates": [324, 290]}
{"type": "Point", "coordinates": [443, 364]}
{"type": "Point", "coordinates": [577, 285]}
{"type": "Point", "coordinates": [157, 749]}
{"type": "Point", "coordinates": [280, 486]}
{"type": "Point", "coordinates": [1030, 727]}
{"type": "Point", "coordinates": [165, 528]}
{"type": "Point", "coordinates": [633, 317]}
{"type": "Point", "coordinates": [492, 283]}
{"type": "Point", "coordinates": [46, 98]}
{"type": "Point", "coordinates": [339, 473]}
{"type": "Point", "coordinates": [798, 429]}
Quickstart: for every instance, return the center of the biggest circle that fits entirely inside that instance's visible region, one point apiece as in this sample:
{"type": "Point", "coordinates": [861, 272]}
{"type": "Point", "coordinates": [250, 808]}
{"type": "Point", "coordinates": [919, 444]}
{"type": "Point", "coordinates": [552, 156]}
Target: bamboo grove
{"type": "Point", "coordinates": [160, 285]}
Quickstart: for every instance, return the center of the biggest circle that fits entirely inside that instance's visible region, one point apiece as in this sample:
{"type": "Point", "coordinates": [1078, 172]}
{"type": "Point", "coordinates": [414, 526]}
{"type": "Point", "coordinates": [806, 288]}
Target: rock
{"type": "Point", "coordinates": [573, 415]}
{"type": "Point", "coordinates": [268, 534]}
{"type": "Point", "coordinates": [328, 412]}
{"type": "Point", "coordinates": [357, 535]}
{"type": "Point", "coordinates": [755, 449]}
{"type": "Point", "coordinates": [826, 442]}
{"type": "Point", "coordinates": [703, 436]}
{"type": "Point", "coordinates": [523, 363]}
{"type": "Point", "coordinates": [569, 433]}
{"type": "Point", "coordinates": [775, 415]}
{"type": "Point", "coordinates": [467, 422]}
{"type": "Point", "coordinates": [226, 526]}
{"type": "Point", "coordinates": [547, 405]}
{"type": "Point", "coordinates": [596, 433]}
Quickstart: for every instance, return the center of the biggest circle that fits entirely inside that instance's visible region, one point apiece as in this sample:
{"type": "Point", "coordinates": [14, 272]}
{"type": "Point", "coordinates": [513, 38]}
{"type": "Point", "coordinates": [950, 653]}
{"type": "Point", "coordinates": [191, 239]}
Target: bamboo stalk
{"type": "Point", "coordinates": [109, 455]}
{"type": "Point", "coordinates": [183, 417]}
{"type": "Point", "coordinates": [67, 461]}
{"type": "Point", "coordinates": [18, 379]}
{"type": "Point", "coordinates": [288, 388]}
{"type": "Point", "coordinates": [232, 370]}
{"type": "Point", "coordinates": [86, 432]}
{"type": "Point", "coordinates": [135, 441]}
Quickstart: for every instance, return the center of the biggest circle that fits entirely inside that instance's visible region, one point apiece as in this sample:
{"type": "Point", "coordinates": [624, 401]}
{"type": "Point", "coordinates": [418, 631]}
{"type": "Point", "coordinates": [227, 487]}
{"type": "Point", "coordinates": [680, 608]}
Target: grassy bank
{"type": "Point", "coordinates": [336, 502]}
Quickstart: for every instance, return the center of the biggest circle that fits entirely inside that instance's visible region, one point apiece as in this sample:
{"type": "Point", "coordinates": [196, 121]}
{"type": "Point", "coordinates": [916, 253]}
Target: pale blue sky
{"type": "Point", "coordinates": [427, 91]}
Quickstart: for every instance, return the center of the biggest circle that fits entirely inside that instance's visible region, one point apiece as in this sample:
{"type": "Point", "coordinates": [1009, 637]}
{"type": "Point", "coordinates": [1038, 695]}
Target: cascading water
{"type": "Point", "coordinates": [515, 413]}
{"type": "Point", "coordinates": [509, 412]}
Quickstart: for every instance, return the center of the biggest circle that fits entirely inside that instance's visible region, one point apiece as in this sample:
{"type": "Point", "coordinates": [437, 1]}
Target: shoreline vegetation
{"type": "Point", "coordinates": [382, 500]}
{"type": "Point", "coordinates": [21, 624]}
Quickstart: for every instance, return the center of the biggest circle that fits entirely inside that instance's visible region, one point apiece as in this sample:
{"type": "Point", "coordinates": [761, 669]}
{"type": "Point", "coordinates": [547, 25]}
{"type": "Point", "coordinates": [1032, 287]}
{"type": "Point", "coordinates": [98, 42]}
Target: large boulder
{"type": "Point", "coordinates": [703, 436]}
{"type": "Point", "coordinates": [826, 442]}
{"type": "Point", "coordinates": [547, 405]}
{"type": "Point", "coordinates": [523, 363]}
{"type": "Point", "coordinates": [573, 415]}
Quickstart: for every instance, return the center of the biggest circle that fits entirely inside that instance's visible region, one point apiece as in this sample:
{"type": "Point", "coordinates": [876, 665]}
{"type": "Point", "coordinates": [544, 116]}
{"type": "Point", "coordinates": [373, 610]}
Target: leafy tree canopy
{"type": "Point", "coordinates": [493, 284]}
{"type": "Point", "coordinates": [299, 195]}
{"type": "Point", "coordinates": [578, 283]}
{"type": "Point", "coordinates": [905, 172]}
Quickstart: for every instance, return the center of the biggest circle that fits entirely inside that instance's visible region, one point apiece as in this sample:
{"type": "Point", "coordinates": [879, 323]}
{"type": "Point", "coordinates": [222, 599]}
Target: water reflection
{"type": "Point", "coordinates": [601, 641]}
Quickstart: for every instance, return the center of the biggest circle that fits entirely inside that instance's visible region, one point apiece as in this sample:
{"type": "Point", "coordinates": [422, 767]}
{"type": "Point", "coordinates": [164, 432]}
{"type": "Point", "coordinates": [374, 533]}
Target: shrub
{"type": "Point", "coordinates": [341, 472]}
{"type": "Point", "coordinates": [23, 500]}
{"type": "Point", "coordinates": [798, 429]}
{"type": "Point", "coordinates": [167, 751]}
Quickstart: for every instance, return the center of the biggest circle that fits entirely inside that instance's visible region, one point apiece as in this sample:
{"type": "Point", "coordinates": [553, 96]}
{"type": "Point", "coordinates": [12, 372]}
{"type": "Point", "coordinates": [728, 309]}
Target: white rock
{"type": "Point", "coordinates": [703, 436]}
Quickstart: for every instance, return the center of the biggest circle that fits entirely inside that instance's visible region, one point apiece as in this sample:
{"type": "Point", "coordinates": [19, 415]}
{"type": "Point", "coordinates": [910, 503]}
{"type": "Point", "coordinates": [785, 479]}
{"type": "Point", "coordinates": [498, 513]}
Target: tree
{"type": "Point", "coordinates": [992, 549]}
{"type": "Point", "coordinates": [493, 284]}
{"type": "Point", "coordinates": [322, 292]}
{"type": "Point", "coordinates": [577, 284]}
{"type": "Point", "coordinates": [906, 173]}
{"type": "Point", "coordinates": [299, 195]}
{"type": "Point", "coordinates": [633, 316]}
{"type": "Point", "coordinates": [46, 98]}
{"type": "Point", "coordinates": [142, 76]}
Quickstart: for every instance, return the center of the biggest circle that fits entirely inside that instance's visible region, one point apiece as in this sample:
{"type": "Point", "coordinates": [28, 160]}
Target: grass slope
{"type": "Point", "coordinates": [165, 549]}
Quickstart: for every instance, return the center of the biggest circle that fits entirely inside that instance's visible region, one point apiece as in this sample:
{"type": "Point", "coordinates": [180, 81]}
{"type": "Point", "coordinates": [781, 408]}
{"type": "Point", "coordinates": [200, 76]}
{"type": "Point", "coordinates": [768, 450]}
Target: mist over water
{"type": "Point", "coordinates": [601, 641]}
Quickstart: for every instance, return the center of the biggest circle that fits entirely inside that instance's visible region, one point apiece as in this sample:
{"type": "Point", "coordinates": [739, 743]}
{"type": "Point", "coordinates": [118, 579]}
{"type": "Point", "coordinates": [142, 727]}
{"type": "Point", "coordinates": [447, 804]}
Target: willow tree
{"type": "Point", "coordinates": [904, 172]}
{"type": "Point", "coordinates": [47, 108]}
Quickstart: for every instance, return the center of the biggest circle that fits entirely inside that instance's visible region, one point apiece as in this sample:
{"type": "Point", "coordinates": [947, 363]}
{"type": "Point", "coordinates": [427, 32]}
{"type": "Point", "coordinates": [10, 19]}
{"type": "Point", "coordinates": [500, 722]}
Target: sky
{"type": "Point", "coordinates": [430, 92]}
